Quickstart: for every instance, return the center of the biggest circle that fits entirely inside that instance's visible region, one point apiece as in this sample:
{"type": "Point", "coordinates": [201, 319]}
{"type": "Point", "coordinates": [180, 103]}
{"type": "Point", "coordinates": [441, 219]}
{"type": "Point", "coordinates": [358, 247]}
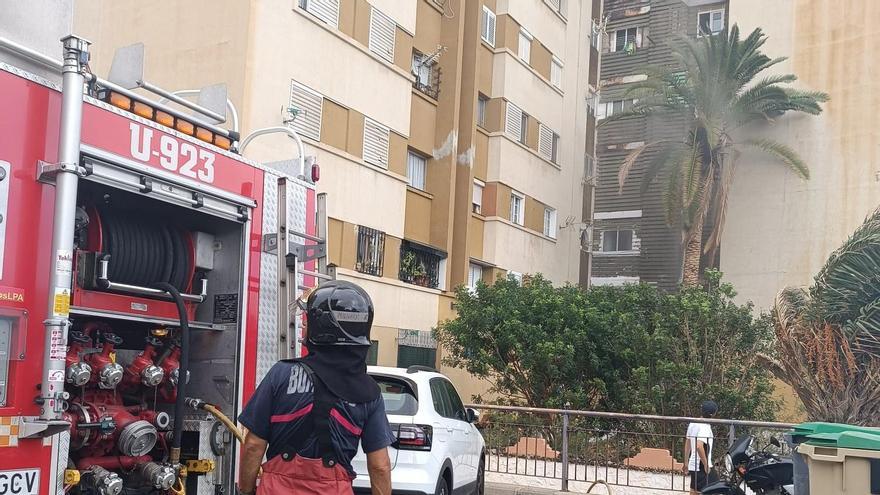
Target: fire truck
{"type": "Point", "coordinates": [148, 278]}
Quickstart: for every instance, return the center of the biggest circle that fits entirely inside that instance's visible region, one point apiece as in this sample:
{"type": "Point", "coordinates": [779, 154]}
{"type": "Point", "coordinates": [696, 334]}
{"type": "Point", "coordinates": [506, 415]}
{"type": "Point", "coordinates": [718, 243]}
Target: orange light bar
{"type": "Point", "coordinates": [222, 141]}
{"type": "Point", "coordinates": [121, 101]}
{"type": "Point", "coordinates": [164, 118]}
{"type": "Point", "coordinates": [143, 110]}
{"type": "Point", "coordinates": [185, 127]}
{"type": "Point", "coordinates": [204, 134]}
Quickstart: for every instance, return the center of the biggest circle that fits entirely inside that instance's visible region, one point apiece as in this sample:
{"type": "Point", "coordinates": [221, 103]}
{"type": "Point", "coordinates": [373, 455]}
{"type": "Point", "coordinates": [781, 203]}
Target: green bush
{"type": "Point", "coordinates": [632, 349]}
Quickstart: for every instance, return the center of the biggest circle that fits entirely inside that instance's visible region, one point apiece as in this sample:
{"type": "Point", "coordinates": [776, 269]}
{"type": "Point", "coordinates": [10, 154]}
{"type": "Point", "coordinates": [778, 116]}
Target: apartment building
{"type": "Point", "coordinates": [631, 239]}
{"type": "Point", "coordinates": [451, 134]}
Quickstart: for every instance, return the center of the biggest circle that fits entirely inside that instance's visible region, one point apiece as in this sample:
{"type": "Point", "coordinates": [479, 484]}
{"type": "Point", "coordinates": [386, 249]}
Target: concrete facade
{"type": "Point", "coordinates": [780, 229]}
{"type": "Point", "coordinates": [357, 65]}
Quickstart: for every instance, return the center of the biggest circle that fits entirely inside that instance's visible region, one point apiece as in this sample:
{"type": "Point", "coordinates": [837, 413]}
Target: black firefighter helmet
{"type": "Point", "coordinates": [339, 313]}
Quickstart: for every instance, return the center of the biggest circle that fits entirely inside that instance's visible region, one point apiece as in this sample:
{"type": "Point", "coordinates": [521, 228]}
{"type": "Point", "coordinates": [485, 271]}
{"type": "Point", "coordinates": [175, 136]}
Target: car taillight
{"type": "Point", "coordinates": [412, 437]}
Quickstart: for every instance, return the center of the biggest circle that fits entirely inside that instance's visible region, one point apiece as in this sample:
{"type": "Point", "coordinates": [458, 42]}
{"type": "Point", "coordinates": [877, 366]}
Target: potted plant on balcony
{"type": "Point", "coordinates": [412, 270]}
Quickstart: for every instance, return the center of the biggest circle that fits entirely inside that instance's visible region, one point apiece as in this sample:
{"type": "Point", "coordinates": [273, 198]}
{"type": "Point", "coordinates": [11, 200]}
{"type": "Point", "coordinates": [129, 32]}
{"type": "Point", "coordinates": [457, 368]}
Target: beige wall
{"type": "Point", "coordinates": [418, 216]}
{"type": "Point", "coordinates": [180, 53]}
{"type": "Point", "coordinates": [781, 229]}
{"type": "Point", "coordinates": [543, 24]}
{"type": "Point", "coordinates": [363, 83]}
{"type": "Point", "coordinates": [516, 81]}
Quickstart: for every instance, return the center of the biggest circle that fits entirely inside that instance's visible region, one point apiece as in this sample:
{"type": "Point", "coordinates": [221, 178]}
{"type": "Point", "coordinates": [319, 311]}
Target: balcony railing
{"type": "Point", "coordinates": [370, 251]}
{"type": "Point", "coordinates": [426, 72]}
{"type": "Point", "coordinates": [419, 265]}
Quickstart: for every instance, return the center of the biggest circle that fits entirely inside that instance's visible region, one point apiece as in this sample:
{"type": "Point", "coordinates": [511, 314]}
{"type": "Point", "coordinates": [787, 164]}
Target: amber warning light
{"type": "Point", "coordinates": [146, 111]}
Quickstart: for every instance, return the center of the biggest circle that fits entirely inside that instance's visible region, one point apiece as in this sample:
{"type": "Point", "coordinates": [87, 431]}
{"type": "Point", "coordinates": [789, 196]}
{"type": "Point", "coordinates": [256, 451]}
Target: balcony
{"type": "Point", "coordinates": [420, 265]}
{"type": "Point", "coordinates": [426, 72]}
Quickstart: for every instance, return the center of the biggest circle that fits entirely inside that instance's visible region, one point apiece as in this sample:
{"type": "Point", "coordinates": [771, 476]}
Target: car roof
{"type": "Point", "coordinates": [412, 373]}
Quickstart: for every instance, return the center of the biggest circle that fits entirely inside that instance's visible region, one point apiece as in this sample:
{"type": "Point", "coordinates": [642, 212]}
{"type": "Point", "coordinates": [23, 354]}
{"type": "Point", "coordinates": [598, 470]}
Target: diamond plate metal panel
{"type": "Point", "coordinates": [267, 343]}
{"type": "Point", "coordinates": [63, 450]}
{"type": "Point", "coordinates": [208, 482]}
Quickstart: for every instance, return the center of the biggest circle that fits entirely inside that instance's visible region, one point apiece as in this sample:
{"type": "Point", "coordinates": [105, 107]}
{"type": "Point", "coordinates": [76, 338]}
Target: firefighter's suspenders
{"type": "Point", "coordinates": [323, 401]}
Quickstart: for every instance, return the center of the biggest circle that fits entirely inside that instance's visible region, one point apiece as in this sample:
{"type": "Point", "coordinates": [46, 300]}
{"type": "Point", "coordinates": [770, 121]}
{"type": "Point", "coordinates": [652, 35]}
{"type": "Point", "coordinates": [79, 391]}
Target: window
{"type": "Point", "coordinates": [626, 40]}
{"type": "Point", "coordinates": [416, 347]}
{"type": "Point", "coordinates": [589, 167]}
{"type": "Point", "coordinates": [475, 274]}
{"type": "Point", "coordinates": [325, 10]}
{"type": "Point", "coordinates": [373, 353]}
{"type": "Point", "coordinates": [446, 400]}
{"type": "Point", "coordinates": [487, 26]}
{"type": "Point", "coordinates": [515, 276]}
{"type": "Point", "coordinates": [525, 46]}
{"type": "Point", "coordinates": [426, 73]}
{"type": "Point", "coordinates": [478, 196]}
{"type": "Point", "coordinates": [376, 137]}
{"type": "Point", "coordinates": [410, 356]}
{"type": "Point", "coordinates": [617, 240]}
{"type": "Point", "coordinates": [382, 32]}
{"type": "Point", "coordinates": [596, 35]}
{"type": "Point", "coordinates": [420, 265]}
{"type": "Point", "coordinates": [556, 72]}
{"type": "Point", "coordinates": [416, 169]}
{"type": "Point", "coordinates": [398, 396]}
{"type": "Point", "coordinates": [550, 222]}
{"type": "Point", "coordinates": [524, 128]}
{"type": "Point", "coordinates": [309, 104]}
{"type": "Point", "coordinates": [370, 251]}
{"type": "Point", "coordinates": [482, 103]}
{"type": "Point", "coordinates": [616, 106]}
{"type": "Point", "coordinates": [555, 157]}
{"type": "Point", "coordinates": [592, 102]}
{"type": "Point", "coordinates": [711, 22]}
{"type": "Point", "coordinates": [517, 208]}
{"type": "Point", "coordinates": [548, 143]}
{"type": "Point", "coordinates": [513, 121]}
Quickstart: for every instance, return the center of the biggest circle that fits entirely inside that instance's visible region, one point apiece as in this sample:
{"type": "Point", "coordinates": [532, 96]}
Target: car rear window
{"type": "Point", "coordinates": [399, 397]}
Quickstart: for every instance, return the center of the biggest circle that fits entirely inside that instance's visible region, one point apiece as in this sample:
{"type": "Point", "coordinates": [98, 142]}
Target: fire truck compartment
{"type": "Point", "coordinates": [144, 240]}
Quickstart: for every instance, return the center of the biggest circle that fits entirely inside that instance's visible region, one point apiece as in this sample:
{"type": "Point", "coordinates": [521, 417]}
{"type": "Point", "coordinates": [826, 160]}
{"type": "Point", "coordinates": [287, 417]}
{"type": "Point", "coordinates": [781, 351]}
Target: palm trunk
{"type": "Point", "coordinates": [693, 250]}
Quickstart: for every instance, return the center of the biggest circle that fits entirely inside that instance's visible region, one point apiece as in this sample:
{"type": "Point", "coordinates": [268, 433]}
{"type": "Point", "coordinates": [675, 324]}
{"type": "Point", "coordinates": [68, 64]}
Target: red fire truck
{"type": "Point", "coordinates": [146, 275]}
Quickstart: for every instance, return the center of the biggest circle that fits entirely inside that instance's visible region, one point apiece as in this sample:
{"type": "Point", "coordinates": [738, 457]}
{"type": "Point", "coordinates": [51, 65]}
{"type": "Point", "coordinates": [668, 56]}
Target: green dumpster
{"type": "Point", "coordinates": [842, 459]}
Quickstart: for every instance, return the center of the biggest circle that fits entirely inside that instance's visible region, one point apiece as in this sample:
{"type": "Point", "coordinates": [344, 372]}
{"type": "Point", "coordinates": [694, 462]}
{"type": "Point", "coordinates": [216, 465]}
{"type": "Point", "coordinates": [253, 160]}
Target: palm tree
{"type": "Point", "coordinates": [828, 335]}
{"type": "Point", "coordinates": [715, 87]}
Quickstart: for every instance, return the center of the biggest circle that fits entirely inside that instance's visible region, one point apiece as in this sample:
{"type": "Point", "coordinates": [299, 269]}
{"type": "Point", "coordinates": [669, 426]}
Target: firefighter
{"type": "Point", "coordinates": [308, 415]}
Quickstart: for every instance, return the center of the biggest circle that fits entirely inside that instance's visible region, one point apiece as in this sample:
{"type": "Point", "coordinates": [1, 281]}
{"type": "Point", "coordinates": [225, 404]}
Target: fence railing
{"type": "Point", "coordinates": [632, 450]}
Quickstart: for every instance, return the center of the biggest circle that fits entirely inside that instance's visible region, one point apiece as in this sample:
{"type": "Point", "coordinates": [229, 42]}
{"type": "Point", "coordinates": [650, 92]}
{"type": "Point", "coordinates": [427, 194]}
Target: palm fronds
{"type": "Point", "coordinates": [828, 336]}
{"type": "Point", "coordinates": [717, 84]}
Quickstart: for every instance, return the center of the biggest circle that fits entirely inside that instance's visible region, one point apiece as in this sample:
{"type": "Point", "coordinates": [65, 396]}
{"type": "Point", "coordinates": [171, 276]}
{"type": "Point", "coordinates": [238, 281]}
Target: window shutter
{"type": "Point", "coordinates": [525, 46]}
{"type": "Point", "coordinates": [545, 142]}
{"type": "Point", "coordinates": [556, 72]}
{"type": "Point", "coordinates": [488, 26]}
{"type": "Point", "coordinates": [325, 10]}
{"type": "Point", "coordinates": [513, 121]}
{"type": "Point", "coordinates": [310, 104]}
{"type": "Point", "coordinates": [477, 197]}
{"type": "Point", "coordinates": [638, 37]}
{"type": "Point", "coordinates": [382, 30]}
{"type": "Point", "coordinates": [375, 143]}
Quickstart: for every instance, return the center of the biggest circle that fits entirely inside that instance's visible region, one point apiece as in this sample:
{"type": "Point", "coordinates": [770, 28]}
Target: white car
{"type": "Point", "coordinates": [439, 450]}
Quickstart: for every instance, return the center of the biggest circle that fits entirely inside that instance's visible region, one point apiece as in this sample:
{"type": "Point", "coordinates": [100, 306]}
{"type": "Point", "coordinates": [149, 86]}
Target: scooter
{"type": "Point", "coordinates": [762, 472]}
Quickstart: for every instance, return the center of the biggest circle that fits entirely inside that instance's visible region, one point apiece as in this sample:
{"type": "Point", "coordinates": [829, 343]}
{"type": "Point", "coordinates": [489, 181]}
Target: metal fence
{"type": "Point", "coordinates": [631, 450]}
